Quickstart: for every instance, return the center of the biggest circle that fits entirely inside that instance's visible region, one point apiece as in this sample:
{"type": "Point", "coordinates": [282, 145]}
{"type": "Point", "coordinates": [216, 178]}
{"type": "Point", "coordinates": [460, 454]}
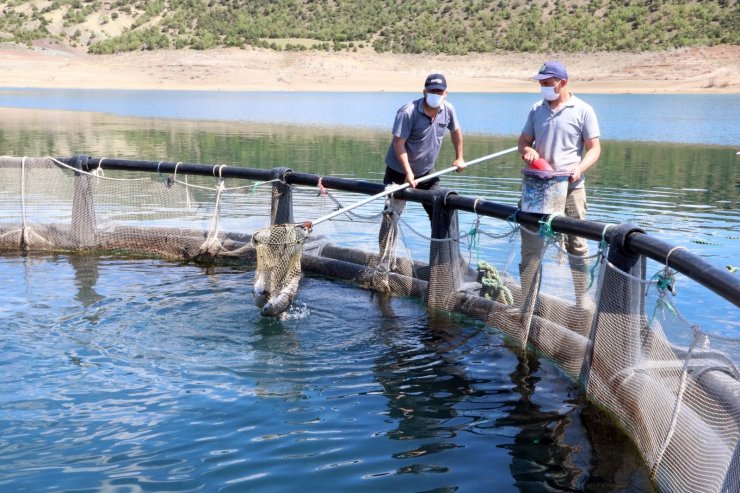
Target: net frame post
{"type": "Point", "coordinates": [281, 209]}
{"type": "Point", "coordinates": [631, 294]}
{"type": "Point", "coordinates": [84, 225]}
{"type": "Point", "coordinates": [445, 260]}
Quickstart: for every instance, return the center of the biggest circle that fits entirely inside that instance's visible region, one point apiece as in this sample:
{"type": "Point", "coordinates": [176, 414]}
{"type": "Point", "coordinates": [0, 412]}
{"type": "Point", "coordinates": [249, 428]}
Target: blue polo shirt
{"type": "Point", "coordinates": [423, 136]}
{"type": "Point", "coordinates": [558, 135]}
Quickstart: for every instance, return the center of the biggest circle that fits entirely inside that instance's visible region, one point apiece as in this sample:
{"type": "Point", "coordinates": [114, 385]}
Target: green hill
{"type": "Point", "coordinates": [422, 26]}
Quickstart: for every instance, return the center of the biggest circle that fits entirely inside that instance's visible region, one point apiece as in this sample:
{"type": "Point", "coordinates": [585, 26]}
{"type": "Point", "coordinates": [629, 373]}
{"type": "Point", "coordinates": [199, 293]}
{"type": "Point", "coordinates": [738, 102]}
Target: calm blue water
{"type": "Point", "coordinates": [131, 376]}
{"type": "Point", "coordinates": [701, 119]}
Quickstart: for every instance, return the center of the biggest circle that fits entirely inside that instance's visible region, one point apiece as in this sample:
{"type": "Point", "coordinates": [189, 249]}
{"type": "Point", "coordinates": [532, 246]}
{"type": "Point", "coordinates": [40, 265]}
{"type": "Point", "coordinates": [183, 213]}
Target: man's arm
{"type": "Point", "coordinates": [399, 147]}
{"type": "Point", "coordinates": [457, 142]}
{"type": "Point", "coordinates": [525, 148]}
{"type": "Point", "coordinates": [593, 151]}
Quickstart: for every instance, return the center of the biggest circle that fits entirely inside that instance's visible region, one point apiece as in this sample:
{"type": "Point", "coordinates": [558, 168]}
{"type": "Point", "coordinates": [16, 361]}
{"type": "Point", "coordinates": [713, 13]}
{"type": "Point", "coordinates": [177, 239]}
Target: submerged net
{"type": "Point", "coordinates": [669, 380]}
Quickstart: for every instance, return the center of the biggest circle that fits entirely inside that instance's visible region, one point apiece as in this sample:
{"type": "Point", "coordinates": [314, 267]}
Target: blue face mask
{"type": "Point", "coordinates": [434, 100]}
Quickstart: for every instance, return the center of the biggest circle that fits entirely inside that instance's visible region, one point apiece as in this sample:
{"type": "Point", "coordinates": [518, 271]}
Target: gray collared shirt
{"type": "Point", "coordinates": [423, 136]}
{"type": "Point", "coordinates": [558, 135]}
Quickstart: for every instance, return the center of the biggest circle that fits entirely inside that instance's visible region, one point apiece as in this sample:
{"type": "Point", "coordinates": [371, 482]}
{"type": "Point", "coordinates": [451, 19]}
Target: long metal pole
{"type": "Point", "coordinates": [401, 186]}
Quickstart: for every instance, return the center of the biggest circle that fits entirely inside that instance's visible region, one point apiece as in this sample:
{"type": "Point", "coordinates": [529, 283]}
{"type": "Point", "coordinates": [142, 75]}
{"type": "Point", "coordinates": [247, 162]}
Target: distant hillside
{"type": "Point", "coordinates": [418, 26]}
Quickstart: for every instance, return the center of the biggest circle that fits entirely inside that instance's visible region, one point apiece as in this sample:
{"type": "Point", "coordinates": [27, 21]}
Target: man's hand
{"type": "Point", "coordinates": [459, 164]}
{"type": "Point", "coordinates": [410, 179]}
{"type": "Point", "coordinates": [530, 156]}
{"type": "Point", "coordinates": [575, 175]}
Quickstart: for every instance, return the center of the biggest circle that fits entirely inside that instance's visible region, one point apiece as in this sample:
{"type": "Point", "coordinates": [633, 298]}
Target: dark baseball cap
{"type": "Point", "coordinates": [436, 82]}
{"type": "Point", "coordinates": [551, 69]}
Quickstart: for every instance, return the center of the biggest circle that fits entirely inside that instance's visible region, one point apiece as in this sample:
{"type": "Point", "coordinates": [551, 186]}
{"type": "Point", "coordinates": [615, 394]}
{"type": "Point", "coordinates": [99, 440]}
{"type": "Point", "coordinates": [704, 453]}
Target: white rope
{"type": "Point", "coordinates": [339, 205]}
{"type": "Point", "coordinates": [214, 227]}
{"type": "Point", "coordinates": [98, 172]}
{"type": "Point", "coordinates": [220, 187]}
{"type": "Point", "coordinates": [200, 187]}
{"type": "Point", "coordinates": [668, 256]}
{"type": "Point", "coordinates": [72, 168]}
{"type": "Point", "coordinates": [23, 196]}
{"type": "Point", "coordinates": [498, 236]}
{"type": "Point", "coordinates": [562, 250]}
{"type": "Point", "coordinates": [429, 238]}
{"type": "Point", "coordinates": [676, 410]}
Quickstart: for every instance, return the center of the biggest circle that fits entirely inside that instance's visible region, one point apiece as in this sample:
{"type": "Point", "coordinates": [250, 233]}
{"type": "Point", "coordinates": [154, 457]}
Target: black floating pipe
{"type": "Point", "coordinates": [344, 184]}
{"type": "Point", "coordinates": [714, 278]}
{"type": "Point", "coordinates": [708, 275]}
{"type": "Point", "coordinates": [224, 171]}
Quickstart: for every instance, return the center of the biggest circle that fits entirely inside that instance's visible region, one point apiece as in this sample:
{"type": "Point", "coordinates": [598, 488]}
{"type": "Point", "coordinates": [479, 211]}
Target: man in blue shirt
{"type": "Point", "coordinates": [418, 132]}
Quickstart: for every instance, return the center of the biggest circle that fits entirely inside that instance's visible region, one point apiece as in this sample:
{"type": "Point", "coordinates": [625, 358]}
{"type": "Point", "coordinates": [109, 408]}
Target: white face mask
{"type": "Point", "coordinates": [434, 100]}
{"type": "Point", "coordinates": [548, 92]}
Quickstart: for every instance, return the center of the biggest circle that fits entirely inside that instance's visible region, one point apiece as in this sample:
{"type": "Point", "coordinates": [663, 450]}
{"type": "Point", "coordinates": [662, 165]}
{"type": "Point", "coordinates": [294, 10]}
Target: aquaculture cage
{"type": "Point", "coordinates": [606, 319]}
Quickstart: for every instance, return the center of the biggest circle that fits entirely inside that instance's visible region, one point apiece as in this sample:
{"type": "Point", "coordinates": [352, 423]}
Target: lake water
{"type": "Point", "coordinates": [695, 119]}
{"type": "Point", "coordinates": [142, 375]}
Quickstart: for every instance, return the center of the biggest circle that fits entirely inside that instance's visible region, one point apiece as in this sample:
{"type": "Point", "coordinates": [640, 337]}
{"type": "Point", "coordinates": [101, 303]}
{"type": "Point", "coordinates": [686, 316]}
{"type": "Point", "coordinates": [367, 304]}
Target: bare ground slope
{"type": "Point", "coordinates": [692, 70]}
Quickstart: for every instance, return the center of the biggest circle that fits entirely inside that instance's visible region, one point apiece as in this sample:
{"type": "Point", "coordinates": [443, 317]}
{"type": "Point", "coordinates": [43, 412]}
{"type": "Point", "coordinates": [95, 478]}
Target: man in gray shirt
{"type": "Point", "coordinates": [562, 129]}
{"type": "Point", "coordinates": [418, 132]}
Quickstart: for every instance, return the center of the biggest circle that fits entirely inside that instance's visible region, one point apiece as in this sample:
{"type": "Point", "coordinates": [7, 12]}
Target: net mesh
{"type": "Point", "coordinates": [670, 382]}
{"type": "Point", "coordinates": [279, 249]}
{"type": "Point", "coordinates": [668, 395]}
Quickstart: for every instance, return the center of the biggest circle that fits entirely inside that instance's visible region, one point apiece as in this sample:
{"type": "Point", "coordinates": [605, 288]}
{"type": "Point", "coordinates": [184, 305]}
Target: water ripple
{"type": "Point", "coordinates": [166, 380]}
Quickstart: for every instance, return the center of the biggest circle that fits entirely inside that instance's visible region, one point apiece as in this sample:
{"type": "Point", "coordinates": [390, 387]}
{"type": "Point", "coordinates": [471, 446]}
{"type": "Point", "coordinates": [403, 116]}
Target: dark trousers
{"type": "Point", "coordinates": [394, 177]}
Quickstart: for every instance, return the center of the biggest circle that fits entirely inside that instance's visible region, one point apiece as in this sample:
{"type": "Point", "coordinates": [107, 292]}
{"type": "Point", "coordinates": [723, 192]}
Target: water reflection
{"type": "Point", "coordinates": [425, 375]}
{"type": "Point", "coordinates": [422, 379]}
{"type": "Point", "coordinates": [278, 347]}
{"type": "Point", "coordinates": [547, 451]}
{"type": "Point", "coordinates": [436, 403]}
{"type": "Point", "coordinates": [86, 276]}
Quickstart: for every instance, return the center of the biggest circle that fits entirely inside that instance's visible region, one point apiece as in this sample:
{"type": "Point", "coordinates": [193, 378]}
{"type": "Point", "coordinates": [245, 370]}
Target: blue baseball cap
{"type": "Point", "coordinates": [436, 82]}
{"type": "Point", "coordinates": [551, 69]}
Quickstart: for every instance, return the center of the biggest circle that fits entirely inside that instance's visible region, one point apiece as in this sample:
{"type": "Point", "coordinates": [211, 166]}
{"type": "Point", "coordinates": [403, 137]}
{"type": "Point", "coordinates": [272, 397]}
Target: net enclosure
{"type": "Point", "coordinates": [612, 320]}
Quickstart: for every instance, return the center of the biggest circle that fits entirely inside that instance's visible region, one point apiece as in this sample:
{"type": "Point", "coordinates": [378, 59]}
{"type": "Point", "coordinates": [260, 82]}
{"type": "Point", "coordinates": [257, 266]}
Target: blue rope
{"type": "Point", "coordinates": [599, 256]}
{"type": "Point", "coordinates": [546, 230]}
{"type": "Point", "coordinates": [475, 239]}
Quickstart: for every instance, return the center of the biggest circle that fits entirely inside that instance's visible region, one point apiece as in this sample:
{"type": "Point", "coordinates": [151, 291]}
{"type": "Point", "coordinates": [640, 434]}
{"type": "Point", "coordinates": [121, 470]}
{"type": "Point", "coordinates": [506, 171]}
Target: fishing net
{"type": "Point", "coordinates": [279, 249]}
{"type": "Point", "coordinates": [670, 383]}
{"type": "Point", "coordinates": [47, 205]}
{"type": "Point", "coordinates": [670, 379]}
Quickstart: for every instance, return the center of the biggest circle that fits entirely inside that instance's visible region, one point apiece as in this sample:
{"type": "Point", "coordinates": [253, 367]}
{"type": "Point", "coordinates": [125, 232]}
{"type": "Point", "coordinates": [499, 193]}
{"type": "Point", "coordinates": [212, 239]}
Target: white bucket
{"type": "Point", "coordinates": [544, 192]}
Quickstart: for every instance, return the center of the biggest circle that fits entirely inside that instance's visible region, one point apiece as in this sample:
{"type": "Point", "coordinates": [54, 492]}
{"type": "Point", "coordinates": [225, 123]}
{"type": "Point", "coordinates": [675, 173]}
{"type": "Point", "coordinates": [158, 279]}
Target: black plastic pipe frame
{"type": "Point", "coordinates": [710, 276]}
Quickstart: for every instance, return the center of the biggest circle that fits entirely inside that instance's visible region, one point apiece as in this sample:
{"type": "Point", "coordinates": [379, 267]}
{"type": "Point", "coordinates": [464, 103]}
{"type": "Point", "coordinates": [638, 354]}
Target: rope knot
{"type": "Point", "coordinates": [546, 230]}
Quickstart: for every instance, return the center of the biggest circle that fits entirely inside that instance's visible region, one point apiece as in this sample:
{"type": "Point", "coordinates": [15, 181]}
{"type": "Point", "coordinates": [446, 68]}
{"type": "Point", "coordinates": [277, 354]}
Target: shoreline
{"type": "Point", "coordinates": [706, 70]}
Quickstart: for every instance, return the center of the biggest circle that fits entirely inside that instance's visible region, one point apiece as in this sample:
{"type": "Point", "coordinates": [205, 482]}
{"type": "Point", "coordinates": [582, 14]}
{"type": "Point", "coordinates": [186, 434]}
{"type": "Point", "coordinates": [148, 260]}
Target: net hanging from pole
{"type": "Point", "coordinates": [279, 249]}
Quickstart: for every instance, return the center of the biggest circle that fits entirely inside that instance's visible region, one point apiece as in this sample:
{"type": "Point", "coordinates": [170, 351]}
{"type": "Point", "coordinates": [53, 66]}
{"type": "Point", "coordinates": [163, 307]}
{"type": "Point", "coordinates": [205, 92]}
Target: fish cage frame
{"type": "Point", "coordinates": [629, 246]}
